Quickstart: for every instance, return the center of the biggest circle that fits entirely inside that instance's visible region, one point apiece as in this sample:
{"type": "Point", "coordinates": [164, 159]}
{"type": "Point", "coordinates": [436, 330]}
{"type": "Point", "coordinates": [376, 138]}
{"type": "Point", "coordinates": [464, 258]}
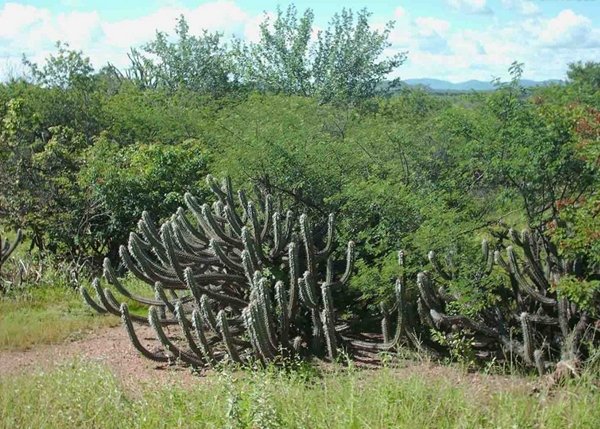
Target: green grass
{"type": "Point", "coordinates": [45, 315]}
{"type": "Point", "coordinates": [86, 395]}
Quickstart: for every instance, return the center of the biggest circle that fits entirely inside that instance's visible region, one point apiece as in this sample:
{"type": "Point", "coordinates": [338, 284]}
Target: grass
{"type": "Point", "coordinates": [86, 395]}
{"type": "Point", "coordinates": [45, 315]}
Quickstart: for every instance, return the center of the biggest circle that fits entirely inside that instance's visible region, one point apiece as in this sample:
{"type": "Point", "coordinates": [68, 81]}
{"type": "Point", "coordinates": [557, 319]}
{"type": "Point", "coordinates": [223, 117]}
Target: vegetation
{"type": "Point", "coordinates": [313, 126]}
{"type": "Point", "coordinates": [227, 264]}
{"type": "Point", "coordinates": [49, 314]}
{"type": "Point", "coordinates": [90, 396]}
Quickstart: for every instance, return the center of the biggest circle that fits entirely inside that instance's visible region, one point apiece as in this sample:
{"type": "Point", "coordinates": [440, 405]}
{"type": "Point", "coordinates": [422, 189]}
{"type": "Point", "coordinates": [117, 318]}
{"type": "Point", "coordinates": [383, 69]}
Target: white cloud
{"type": "Point", "coordinates": [545, 45]}
{"type": "Point", "coordinates": [16, 19]}
{"type": "Point", "coordinates": [436, 48]}
{"type": "Point", "coordinates": [428, 26]}
{"type": "Point", "coordinates": [568, 29]}
{"type": "Point", "coordinates": [523, 7]}
{"type": "Point", "coordinates": [34, 31]}
{"type": "Point", "coordinates": [470, 6]}
{"type": "Point", "coordinates": [399, 12]}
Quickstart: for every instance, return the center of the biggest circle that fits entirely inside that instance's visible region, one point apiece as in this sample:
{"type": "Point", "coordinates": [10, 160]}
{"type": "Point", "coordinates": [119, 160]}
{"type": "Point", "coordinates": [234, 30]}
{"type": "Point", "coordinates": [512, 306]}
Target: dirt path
{"type": "Point", "coordinates": [109, 346]}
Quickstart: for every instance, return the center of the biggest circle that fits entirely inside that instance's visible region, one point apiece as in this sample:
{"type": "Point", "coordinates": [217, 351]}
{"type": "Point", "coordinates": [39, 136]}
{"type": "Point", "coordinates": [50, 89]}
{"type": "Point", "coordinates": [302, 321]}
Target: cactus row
{"type": "Point", "coordinates": [535, 323]}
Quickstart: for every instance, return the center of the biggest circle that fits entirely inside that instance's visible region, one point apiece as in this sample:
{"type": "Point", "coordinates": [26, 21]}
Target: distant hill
{"type": "Point", "coordinates": [470, 85]}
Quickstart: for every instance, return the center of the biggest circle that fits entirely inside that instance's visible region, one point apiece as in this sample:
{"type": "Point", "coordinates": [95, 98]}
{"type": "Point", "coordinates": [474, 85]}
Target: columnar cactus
{"type": "Point", "coordinates": [534, 323]}
{"type": "Point", "coordinates": [7, 248]}
{"type": "Point", "coordinates": [235, 269]}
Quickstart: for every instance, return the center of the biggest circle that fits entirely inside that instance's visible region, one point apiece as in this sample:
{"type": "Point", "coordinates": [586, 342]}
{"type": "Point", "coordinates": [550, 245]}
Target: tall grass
{"type": "Point", "coordinates": [87, 395]}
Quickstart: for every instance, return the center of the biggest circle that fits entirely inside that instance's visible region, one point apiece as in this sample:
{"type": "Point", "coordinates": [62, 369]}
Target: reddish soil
{"type": "Point", "coordinates": [109, 346]}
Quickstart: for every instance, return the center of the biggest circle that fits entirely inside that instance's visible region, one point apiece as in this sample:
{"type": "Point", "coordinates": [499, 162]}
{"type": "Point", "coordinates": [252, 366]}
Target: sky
{"type": "Point", "coordinates": [455, 40]}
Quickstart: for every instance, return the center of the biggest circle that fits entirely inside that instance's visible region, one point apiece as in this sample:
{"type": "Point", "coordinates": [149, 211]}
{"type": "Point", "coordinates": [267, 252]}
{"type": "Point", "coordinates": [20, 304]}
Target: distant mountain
{"type": "Point", "coordinates": [470, 85]}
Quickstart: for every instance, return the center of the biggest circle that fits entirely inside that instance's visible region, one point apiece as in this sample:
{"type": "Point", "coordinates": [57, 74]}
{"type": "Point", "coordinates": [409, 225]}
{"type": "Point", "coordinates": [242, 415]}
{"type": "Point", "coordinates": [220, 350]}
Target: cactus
{"type": "Point", "coordinates": [7, 248]}
{"type": "Point", "coordinates": [226, 279]}
{"type": "Point", "coordinates": [533, 311]}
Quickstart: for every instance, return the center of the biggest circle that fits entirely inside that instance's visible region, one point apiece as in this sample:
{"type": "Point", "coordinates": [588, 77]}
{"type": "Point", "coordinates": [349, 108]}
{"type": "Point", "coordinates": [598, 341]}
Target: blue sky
{"type": "Point", "coordinates": [447, 39]}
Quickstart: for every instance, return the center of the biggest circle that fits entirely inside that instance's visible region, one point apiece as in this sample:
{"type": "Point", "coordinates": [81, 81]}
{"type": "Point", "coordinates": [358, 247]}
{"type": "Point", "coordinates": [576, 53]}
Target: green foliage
{"type": "Point", "coordinates": [65, 69]}
{"type": "Point", "coordinates": [124, 181]}
{"type": "Point", "coordinates": [342, 65]}
{"type": "Point", "coordinates": [83, 153]}
{"type": "Point", "coordinates": [201, 64]}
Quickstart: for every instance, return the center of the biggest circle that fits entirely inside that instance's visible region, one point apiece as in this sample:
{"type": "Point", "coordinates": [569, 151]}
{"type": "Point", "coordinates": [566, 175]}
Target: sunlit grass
{"type": "Point", "coordinates": [46, 315]}
{"type": "Point", "coordinates": [87, 395]}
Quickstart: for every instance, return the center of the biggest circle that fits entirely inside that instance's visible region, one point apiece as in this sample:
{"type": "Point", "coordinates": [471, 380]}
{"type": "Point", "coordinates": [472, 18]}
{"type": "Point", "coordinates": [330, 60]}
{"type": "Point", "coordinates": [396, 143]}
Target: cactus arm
{"type": "Point", "coordinates": [216, 229]}
{"type": "Point", "coordinates": [126, 319]}
{"type": "Point", "coordinates": [267, 218]}
{"type": "Point", "coordinates": [277, 239]}
{"type": "Point", "coordinates": [251, 248]}
{"type": "Point", "coordinates": [90, 301]}
{"type": "Point", "coordinates": [100, 296]}
{"type": "Point", "coordinates": [349, 264]}
{"type": "Point", "coordinates": [308, 293]}
{"type": "Point", "coordinates": [184, 324]}
{"type": "Point", "coordinates": [427, 293]}
{"type": "Point", "coordinates": [197, 233]}
{"type": "Point", "coordinates": [528, 347]}
{"type": "Point", "coordinates": [293, 264]}
{"type": "Point", "coordinates": [437, 266]}
{"type": "Point", "coordinates": [148, 230]}
{"type": "Point", "coordinates": [402, 318]}
{"type": "Point", "coordinates": [488, 256]}
{"type": "Point", "coordinates": [309, 248]}
{"type": "Point", "coordinates": [112, 278]}
{"type": "Point", "coordinates": [244, 204]}
{"type": "Point", "coordinates": [534, 271]}
{"type": "Point", "coordinates": [260, 333]}
{"type": "Point", "coordinates": [223, 258]}
{"type": "Point", "coordinates": [266, 311]}
{"type": "Point", "coordinates": [327, 318]}
{"type": "Point", "coordinates": [162, 297]}
{"type": "Point", "coordinates": [170, 248]}
{"type": "Point", "coordinates": [223, 327]}
{"type": "Point", "coordinates": [207, 314]}
{"type": "Point", "coordinates": [155, 322]}
{"type": "Point", "coordinates": [7, 249]}
{"type": "Point", "coordinates": [523, 282]}
{"type": "Point", "coordinates": [288, 226]}
{"type": "Point", "coordinates": [233, 219]}
{"type": "Point", "coordinates": [326, 251]}
{"type": "Point", "coordinates": [282, 302]}
{"type": "Point", "coordinates": [204, 346]}
{"type": "Point", "coordinates": [329, 334]}
{"type": "Point", "coordinates": [464, 322]}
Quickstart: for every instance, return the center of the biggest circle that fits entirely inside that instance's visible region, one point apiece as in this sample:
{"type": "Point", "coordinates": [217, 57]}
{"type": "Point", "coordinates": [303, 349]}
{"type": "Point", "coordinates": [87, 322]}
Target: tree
{"type": "Point", "coordinates": [65, 69]}
{"type": "Point", "coordinates": [347, 65]}
{"type": "Point", "coordinates": [587, 74]}
{"type": "Point", "coordinates": [342, 63]}
{"type": "Point", "coordinates": [197, 63]}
